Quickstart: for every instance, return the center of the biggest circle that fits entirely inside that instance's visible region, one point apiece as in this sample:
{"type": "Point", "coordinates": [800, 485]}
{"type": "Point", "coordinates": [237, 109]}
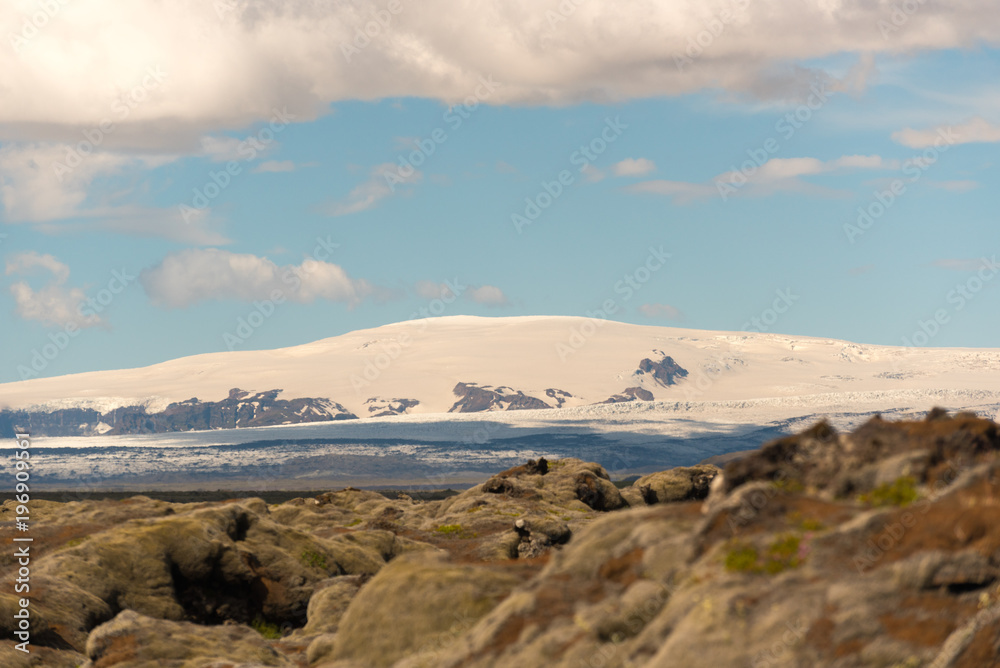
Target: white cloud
{"type": "Point", "coordinates": [976, 130]}
{"type": "Point", "coordinates": [276, 166]}
{"type": "Point", "coordinates": [195, 275]}
{"type": "Point", "coordinates": [382, 182]}
{"type": "Point", "coordinates": [665, 311]}
{"type": "Point", "coordinates": [432, 290]}
{"type": "Point", "coordinates": [777, 174]}
{"type": "Point", "coordinates": [221, 149]}
{"type": "Point", "coordinates": [52, 186]}
{"type": "Point", "coordinates": [634, 167]}
{"type": "Point", "coordinates": [975, 264]}
{"type": "Point", "coordinates": [23, 263]}
{"type": "Point", "coordinates": [54, 305]}
{"type": "Point", "coordinates": [224, 65]}
{"type": "Point", "coordinates": [681, 191]}
{"type": "Point", "coordinates": [505, 167]}
{"type": "Point", "coordinates": [37, 184]}
{"type": "Point", "coordinates": [488, 295]}
{"type": "Point", "coordinates": [960, 186]}
{"type": "Point", "coordinates": [592, 174]}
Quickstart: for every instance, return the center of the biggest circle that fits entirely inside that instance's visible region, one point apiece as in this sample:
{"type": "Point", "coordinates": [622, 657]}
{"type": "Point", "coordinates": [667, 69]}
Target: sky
{"type": "Point", "coordinates": [200, 176]}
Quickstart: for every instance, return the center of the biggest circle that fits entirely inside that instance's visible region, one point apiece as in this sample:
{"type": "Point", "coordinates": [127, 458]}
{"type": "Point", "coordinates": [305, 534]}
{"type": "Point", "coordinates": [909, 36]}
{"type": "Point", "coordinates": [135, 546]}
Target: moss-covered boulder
{"type": "Point", "coordinates": [684, 483]}
{"type": "Point", "coordinates": [135, 641]}
{"type": "Point", "coordinates": [416, 603]}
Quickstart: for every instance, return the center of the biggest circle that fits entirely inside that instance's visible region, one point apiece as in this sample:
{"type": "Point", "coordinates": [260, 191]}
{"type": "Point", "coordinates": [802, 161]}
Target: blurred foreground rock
{"type": "Point", "coordinates": [876, 548]}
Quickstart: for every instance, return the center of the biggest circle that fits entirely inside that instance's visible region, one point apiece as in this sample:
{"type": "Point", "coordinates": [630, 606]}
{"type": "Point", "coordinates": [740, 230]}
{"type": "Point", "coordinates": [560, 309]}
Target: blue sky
{"type": "Point", "coordinates": [313, 148]}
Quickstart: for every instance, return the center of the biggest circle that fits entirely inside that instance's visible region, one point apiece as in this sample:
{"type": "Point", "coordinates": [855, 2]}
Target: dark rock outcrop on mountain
{"type": "Point", "coordinates": [378, 407]}
{"type": "Point", "coordinates": [665, 372]}
{"type": "Point", "coordinates": [878, 547]}
{"type": "Point", "coordinates": [242, 409]}
{"type": "Point", "coordinates": [630, 394]}
{"type": "Point", "coordinates": [559, 396]}
{"type": "Point", "coordinates": [474, 398]}
{"type": "Point", "coordinates": [63, 422]}
{"type": "Point", "coordinates": [239, 409]}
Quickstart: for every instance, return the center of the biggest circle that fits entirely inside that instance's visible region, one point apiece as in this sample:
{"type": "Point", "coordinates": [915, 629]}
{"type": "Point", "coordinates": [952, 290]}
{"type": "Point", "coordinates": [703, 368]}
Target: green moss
{"type": "Point", "coordinates": [355, 522]}
{"type": "Point", "coordinates": [742, 559]}
{"type": "Point", "coordinates": [266, 629]}
{"type": "Point", "coordinates": [455, 530]}
{"type": "Point", "coordinates": [782, 554]}
{"type": "Point", "coordinates": [785, 547]}
{"type": "Point", "coordinates": [788, 485]}
{"type": "Point", "coordinates": [314, 559]}
{"type": "Point", "coordinates": [812, 525]}
{"type": "Point", "coordinates": [474, 509]}
{"type": "Point", "coordinates": [912, 662]}
{"type": "Point", "coordinates": [806, 524]}
{"type": "Point", "coordinates": [901, 492]}
{"type": "Point", "coordinates": [500, 512]}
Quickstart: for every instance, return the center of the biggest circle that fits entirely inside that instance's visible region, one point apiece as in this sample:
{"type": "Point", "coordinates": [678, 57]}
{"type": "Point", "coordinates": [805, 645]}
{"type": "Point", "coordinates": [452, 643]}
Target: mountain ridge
{"type": "Point", "coordinates": [419, 364]}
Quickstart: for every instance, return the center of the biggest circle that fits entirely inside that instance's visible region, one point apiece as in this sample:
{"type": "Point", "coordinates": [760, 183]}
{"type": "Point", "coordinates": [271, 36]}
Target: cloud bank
{"type": "Point", "coordinates": [195, 275]}
{"type": "Point", "coordinates": [188, 67]}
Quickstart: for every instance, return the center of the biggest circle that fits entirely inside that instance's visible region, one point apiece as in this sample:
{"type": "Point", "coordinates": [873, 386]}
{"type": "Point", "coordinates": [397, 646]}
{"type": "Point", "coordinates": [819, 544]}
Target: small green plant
{"type": "Point", "coordinates": [912, 662]}
{"type": "Point", "coordinates": [782, 554]}
{"type": "Point", "coordinates": [266, 629]}
{"type": "Point", "coordinates": [742, 559]}
{"type": "Point", "coordinates": [788, 485]}
{"type": "Point", "coordinates": [455, 530]}
{"type": "Point", "coordinates": [803, 523]}
{"type": "Point", "coordinates": [810, 524]}
{"type": "Point", "coordinates": [901, 492]}
{"type": "Point", "coordinates": [314, 559]}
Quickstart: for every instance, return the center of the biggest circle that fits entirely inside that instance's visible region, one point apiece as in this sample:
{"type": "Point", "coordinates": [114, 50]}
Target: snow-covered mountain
{"type": "Point", "coordinates": [469, 364]}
